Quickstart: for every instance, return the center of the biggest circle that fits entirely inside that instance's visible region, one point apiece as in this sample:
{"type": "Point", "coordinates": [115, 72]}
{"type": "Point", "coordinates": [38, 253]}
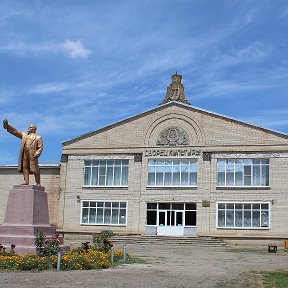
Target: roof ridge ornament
{"type": "Point", "coordinates": [175, 91]}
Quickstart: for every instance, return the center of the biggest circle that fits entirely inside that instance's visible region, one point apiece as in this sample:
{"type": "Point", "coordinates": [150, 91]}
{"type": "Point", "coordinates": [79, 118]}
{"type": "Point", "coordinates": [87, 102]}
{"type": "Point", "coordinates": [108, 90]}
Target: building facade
{"type": "Point", "coordinates": [174, 170]}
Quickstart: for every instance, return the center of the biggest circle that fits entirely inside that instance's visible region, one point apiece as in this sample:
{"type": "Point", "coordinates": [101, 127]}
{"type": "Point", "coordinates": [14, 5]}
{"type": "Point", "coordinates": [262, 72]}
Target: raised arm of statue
{"type": "Point", "coordinates": [11, 129]}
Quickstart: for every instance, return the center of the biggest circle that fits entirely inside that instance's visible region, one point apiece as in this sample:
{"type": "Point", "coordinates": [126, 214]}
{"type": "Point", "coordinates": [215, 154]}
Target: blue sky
{"type": "Point", "coordinates": [74, 66]}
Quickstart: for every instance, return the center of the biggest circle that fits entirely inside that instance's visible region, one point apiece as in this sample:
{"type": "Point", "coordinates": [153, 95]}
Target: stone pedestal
{"type": "Point", "coordinates": [26, 213]}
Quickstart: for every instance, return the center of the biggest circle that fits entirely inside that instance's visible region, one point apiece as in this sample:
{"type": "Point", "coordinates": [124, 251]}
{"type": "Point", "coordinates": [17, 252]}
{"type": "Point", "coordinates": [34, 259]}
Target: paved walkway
{"type": "Point", "coordinates": [167, 266]}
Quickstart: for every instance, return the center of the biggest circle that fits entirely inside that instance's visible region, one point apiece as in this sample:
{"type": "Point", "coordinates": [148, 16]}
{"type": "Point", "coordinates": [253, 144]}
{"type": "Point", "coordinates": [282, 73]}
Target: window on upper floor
{"type": "Point", "coordinates": [104, 212]}
{"type": "Point", "coordinates": [106, 173]}
{"type": "Point", "coordinates": [243, 215]}
{"type": "Point", "coordinates": [172, 172]}
{"type": "Point", "coordinates": [243, 172]}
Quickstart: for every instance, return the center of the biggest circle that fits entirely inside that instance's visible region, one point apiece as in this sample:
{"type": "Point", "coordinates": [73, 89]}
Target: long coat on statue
{"type": "Point", "coordinates": [35, 148]}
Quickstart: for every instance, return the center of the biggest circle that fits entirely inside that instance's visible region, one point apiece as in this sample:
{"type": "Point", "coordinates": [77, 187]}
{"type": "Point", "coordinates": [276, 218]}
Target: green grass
{"type": "Point", "coordinates": [129, 260]}
{"type": "Point", "coordinates": [136, 261]}
{"type": "Point", "coordinates": [257, 251]}
{"type": "Point", "coordinates": [276, 279]}
{"type": "Point", "coordinates": [249, 250]}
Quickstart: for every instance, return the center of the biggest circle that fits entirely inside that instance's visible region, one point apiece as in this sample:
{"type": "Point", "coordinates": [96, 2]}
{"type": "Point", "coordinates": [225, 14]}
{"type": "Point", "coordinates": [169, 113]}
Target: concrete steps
{"type": "Point", "coordinates": [167, 240]}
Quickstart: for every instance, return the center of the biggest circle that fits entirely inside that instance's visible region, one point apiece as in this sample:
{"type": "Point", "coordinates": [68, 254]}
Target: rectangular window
{"type": "Point", "coordinates": [104, 213]}
{"type": "Point", "coordinates": [106, 173]}
{"type": "Point", "coordinates": [172, 172]}
{"type": "Point", "coordinates": [243, 215]}
{"type": "Point", "coordinates": [243, 172]}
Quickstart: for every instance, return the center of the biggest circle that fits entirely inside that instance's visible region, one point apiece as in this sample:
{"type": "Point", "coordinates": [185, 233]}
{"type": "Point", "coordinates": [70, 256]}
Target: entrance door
{"type": "Point", "coordinates": [170, 222]}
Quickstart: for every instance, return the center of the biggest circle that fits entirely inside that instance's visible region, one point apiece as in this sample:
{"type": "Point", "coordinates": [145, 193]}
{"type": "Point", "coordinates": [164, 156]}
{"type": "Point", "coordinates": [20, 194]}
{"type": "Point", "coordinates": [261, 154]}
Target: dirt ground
{"type": "Point", "coordinates": [165, 266]}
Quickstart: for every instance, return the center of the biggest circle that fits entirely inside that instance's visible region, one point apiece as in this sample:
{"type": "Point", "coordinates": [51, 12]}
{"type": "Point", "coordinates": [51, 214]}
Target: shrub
{"type": "Point", "coordinates": [101, 241]}
{"type": "Point", "coordinates": [46, 246]}
{"type": "Point", "coordinates": [107, 233]}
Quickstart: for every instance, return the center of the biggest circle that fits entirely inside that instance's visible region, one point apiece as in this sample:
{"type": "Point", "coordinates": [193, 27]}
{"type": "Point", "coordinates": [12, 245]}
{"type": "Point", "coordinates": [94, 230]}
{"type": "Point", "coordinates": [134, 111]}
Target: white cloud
{"type": "Point", "coordinates": [255, 50]}
{"type": "Point", "coordinates": [73, 87]}
{"type": "Point", "coordinates": [49, 88]}
{"type": "Point", "coordinates": [274, 121]}
{"type": "Point", "coordinates": [211, 85]}
{"type": "Point", "coordinates": [75, 49]}
{"type": "Point", "coordinates": [5, 96]}
{"type": "Point", "coordinates": [251, 15]}
{"type": "Point", "coordinates": [21, 48]}
{"type": "Point", "coordinates": [283, 14]}
{"type": "Point", "coordinates": [5, 18]}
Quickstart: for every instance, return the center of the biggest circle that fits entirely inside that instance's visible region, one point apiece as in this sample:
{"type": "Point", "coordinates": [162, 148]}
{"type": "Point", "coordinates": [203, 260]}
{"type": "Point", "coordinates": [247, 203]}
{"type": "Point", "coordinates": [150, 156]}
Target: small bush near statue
{"type": "Point", "coordinates": [86, 257]}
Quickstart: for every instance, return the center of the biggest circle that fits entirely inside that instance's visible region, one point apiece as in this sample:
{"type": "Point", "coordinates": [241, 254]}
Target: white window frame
{"type": "Point", "coordinates": [243, 176]}
{"type": "Point", "coordinates": [193, 162]}
{"type": "Point", "coordinates": [105, 175]}
{"type": "Point", "coordinates": [243, 228]}
{"type": "Point", "coordinates": [104, 224]}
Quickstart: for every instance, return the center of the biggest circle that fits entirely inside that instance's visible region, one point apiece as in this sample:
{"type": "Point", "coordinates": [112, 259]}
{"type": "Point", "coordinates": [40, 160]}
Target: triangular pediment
{"type": "Point", "coordinates": [192, 126]}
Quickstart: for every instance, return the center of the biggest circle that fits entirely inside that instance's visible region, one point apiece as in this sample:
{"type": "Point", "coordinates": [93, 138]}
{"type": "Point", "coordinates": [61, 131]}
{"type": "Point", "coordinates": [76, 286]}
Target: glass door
{"type": "Point", "coordinates": [170, 222]}
{"type": "Point", "coordinates": [163, 222]}
{"type": "Point", "coordinates": [177, 228]}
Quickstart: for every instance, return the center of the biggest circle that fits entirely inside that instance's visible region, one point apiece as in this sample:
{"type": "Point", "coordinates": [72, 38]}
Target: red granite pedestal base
{"type": "Point", "coordinates": [26, 213]}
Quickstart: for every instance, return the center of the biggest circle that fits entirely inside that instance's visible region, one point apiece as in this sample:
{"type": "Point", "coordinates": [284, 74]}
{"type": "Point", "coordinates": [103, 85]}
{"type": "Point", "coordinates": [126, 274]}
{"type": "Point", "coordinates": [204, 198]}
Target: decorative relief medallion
{"type": "Point", "coordinates": [173, 136]}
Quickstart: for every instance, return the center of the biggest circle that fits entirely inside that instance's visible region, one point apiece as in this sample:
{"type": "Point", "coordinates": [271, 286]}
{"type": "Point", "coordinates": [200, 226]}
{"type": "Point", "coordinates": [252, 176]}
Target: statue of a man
{"type": "Point", "coordinates": [30, 150]}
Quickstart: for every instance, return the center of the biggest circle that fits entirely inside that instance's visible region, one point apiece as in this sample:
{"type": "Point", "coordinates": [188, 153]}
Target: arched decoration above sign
{"type": "Point", "coordinates": [191, 130]}
{"type": "Point", "coordinates": [173, 136]}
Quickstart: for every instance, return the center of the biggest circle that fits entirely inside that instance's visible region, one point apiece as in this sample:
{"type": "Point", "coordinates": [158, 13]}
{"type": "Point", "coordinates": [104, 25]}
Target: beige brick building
{"type": "Point", "coordinates": [174, 170]}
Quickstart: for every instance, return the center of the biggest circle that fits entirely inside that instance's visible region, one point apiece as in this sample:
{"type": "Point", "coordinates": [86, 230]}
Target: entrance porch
{"type": "Point", "coordinates": [171, 219]}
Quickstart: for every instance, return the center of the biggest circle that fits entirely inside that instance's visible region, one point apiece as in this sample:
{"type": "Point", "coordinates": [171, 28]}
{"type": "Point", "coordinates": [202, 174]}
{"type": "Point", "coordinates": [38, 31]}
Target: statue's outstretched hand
{"type": "Point", "coordinates": [5, 123]}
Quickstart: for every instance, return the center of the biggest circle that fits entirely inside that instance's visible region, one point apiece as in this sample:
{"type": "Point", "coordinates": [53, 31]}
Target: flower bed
{"type": "Point", "coordinates": [97, 256]}
{"type": "Point", "coordinates": [74, 260]}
